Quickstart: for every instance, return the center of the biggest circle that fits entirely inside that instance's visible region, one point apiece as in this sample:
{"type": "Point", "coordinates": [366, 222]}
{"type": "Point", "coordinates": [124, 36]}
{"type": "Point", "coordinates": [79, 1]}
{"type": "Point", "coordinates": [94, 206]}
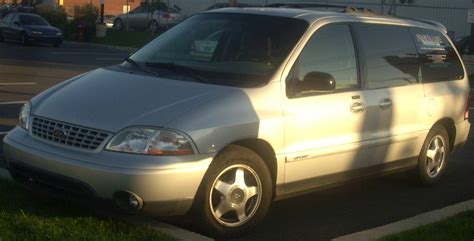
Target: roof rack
{"type": "Point", "coordinates": [344, 8]}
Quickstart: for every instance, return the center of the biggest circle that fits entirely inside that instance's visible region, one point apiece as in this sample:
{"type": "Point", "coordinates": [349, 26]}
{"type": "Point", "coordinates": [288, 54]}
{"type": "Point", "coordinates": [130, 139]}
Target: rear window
{"type": "Point", "coordinates": [439, 61]}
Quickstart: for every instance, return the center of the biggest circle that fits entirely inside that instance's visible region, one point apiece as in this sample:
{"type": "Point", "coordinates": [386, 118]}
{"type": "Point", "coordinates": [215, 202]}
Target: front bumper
{"type": "Point", "coordinates": [167, 185]}
{"type": "Point", "coordinates": [45, 39]}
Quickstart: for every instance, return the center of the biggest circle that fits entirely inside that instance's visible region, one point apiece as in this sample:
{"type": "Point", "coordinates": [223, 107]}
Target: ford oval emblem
{"type": "Point", "coordinates": [58, 133]}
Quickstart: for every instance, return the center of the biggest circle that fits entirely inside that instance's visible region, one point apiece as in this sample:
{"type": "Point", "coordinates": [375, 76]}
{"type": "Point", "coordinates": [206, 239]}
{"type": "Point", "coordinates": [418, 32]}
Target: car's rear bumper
{"type": "Point", "coordinates": [166, 189]}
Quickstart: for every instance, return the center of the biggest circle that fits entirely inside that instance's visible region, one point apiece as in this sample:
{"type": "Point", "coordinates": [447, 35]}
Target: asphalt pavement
{"type": "Point", "coordinates": [322, 215]}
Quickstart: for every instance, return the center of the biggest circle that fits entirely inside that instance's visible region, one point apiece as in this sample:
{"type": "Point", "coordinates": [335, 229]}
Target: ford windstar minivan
{"type": "Point", "coordinates": [235, 108]}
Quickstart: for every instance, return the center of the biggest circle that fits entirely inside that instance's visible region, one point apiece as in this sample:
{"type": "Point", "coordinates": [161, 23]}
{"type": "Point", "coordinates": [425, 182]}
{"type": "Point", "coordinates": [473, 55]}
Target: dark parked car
{"type": "Point", "coordinates": [29, 28]}
{"type": "Point", "coordinates": [462, 44]}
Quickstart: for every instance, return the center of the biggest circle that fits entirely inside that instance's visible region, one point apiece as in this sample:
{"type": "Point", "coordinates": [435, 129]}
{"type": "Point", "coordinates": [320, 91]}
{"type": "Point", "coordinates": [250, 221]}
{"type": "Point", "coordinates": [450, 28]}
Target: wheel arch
{"type": "Point", "coordinates": [448, 124]}
{"type": "Point", "coordinates": [265, 151]}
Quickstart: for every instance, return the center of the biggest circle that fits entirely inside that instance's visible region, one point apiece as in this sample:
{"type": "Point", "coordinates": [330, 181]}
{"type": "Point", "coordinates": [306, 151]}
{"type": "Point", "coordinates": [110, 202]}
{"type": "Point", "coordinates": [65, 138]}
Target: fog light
{"type": "Point", "coordinates": [128, 201]}
{"type": "Point", "coordinates": [133, 202]}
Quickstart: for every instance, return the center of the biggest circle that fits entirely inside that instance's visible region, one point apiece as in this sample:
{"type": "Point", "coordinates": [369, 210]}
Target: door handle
{"type": "Point", "coordinates": [357, 107]}
{"type": "Point", "coordinates": [386, 103]}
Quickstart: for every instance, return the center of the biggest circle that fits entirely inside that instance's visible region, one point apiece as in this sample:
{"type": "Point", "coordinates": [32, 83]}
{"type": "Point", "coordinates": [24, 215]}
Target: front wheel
{"type": "Point", "coordinates": [24, 39]}
{"type": "Point", "coordinates": [235, 194]}
{"type": "Point", "coordinates": [433, 161]}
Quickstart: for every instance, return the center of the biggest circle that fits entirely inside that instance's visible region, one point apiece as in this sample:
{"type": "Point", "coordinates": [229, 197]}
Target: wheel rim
{"type": "Point", "coordinates": [435, 156]}
{"type": "Point", "coordinates": [235, 195]}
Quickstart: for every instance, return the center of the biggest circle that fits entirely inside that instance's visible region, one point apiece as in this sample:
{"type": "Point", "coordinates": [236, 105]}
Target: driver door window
{"type": "Point", "coordinates": [328, 57]}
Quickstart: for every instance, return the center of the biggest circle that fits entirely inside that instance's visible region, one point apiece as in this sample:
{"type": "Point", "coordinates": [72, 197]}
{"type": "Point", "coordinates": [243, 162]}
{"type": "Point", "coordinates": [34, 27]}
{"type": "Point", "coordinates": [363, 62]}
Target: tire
{"type": "Point", "coordinates": [118, 24]}
{"type": "Point", "coordinates": [154, 26]}
{"type": "Point", "coordinates": [216, 214]}
{"type": "Point", "coordinates": [432, 161]}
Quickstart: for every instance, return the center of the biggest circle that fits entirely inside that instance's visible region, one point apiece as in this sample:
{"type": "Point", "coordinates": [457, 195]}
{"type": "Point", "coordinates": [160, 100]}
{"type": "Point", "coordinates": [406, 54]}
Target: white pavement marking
{"type": "Point", "coordinates": [13, 102]}
{"type": "Point", "coordinates": [408, 224]}
{"type": "Point", "coordinates": [18, 83]}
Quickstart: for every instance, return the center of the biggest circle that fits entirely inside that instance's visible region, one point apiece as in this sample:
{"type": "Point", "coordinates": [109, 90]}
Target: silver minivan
{"type": "Point", "coordinates": [235, 108]}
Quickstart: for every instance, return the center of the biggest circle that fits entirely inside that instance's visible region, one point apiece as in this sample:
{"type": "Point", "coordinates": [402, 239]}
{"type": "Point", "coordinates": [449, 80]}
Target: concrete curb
{"type": "Point", "coordinates": [410, 223]}
{"type": "Point", "coordinates": [178, 233]}
{"type": "Point", "coordinates": [173, 231]}
{"type": "Point", "coordinates": [86, 44]}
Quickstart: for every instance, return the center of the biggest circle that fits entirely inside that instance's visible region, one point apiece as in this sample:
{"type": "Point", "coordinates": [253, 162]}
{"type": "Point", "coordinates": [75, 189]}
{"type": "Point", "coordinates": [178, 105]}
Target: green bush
{"type": "Point", "coordinates": [85, 15]}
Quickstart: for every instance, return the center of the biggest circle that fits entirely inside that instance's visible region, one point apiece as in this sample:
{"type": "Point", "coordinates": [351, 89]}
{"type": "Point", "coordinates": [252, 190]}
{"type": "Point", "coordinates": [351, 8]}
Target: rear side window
{"type": "Point", "coordinates": [390, 55]}
{"type": "Point", "coordinates": [439, 61]}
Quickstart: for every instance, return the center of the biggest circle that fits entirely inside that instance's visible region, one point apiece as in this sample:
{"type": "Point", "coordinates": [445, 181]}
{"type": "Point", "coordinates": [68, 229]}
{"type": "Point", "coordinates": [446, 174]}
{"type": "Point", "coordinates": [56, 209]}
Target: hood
{"type": "Point", "coordinates": [41, 28]}
{"type": "Point", "coordinates": [110, 100]}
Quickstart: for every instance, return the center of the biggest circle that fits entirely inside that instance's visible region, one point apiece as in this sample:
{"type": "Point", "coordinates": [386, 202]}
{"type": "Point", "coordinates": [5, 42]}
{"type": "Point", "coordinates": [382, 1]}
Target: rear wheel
{"type": "Point", "coordinates": [432, 161]}
{"type": "Point", "coordinates": [235, 194]}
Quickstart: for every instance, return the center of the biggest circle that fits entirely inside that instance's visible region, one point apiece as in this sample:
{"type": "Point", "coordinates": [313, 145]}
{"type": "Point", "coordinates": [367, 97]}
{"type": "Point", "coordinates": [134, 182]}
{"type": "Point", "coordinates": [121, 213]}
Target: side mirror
{"type": "Point", "coordinates": [317, 82]}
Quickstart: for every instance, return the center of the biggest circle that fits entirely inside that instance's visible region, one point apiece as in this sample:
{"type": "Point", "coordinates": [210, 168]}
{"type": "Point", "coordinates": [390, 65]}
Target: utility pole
{"type": "Point", "coordinates": [382, 2]}
{"type": "Point", "coordinates": [102, 11]}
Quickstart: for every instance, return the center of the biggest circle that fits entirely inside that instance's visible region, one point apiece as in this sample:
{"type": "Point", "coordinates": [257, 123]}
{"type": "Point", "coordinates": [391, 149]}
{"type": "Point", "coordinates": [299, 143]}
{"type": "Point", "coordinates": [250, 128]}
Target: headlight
{"type": "Point", "coordinates": [150, 141]}
{"type": "Point", "coordinates": [36, 33]}
{"type": "Point", "coordinates": [59, 34]}
{"type": "Point", "coordinates": [24, 118]}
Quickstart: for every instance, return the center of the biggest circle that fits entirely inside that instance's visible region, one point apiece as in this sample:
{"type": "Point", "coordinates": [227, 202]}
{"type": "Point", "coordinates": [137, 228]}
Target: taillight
{"type": "Point", "coordinates": [468, 106]}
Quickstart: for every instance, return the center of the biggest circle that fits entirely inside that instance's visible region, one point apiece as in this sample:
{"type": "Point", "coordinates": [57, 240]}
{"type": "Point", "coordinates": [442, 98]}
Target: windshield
{"type": "Point", "coordinates": [228, 49]}
{"type": "Point", "coordinates": [32, 20]}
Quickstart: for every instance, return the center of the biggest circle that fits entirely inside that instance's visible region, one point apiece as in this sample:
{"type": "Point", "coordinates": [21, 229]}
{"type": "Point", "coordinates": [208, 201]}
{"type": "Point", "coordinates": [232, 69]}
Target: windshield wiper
{"type": "Point", "coordinates": [132, 62]}
{"type": "Point", "coordinates": [178, 69]}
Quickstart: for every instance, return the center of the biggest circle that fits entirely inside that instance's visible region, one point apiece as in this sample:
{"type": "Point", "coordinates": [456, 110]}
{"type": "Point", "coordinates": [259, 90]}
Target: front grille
{"type": "Point", "coordinates": [67, 134]}
{"type": "Point", "coordinates": [34, 177]}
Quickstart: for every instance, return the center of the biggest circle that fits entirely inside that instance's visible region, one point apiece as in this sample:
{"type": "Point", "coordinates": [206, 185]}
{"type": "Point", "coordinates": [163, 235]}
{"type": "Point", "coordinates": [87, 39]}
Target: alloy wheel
{"type": "Point", "coordinates": [235, 195]}
{"type": "Point", "coordinates": [435, 156]}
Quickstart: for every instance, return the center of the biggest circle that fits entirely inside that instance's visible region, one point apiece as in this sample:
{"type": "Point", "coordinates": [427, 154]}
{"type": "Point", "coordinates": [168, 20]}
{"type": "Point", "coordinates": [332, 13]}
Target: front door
{"type": "Point", "coordinates": [325, 130]}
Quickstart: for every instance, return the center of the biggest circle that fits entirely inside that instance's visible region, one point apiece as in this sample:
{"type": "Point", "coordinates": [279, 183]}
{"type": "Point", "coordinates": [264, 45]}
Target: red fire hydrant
{"type": "Point", "coordinates": [82, 30]}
